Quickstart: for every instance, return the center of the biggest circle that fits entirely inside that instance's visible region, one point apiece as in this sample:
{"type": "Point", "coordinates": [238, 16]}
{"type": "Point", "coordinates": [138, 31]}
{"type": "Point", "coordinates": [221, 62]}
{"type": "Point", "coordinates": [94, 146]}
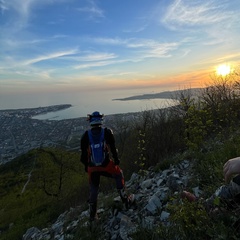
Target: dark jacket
{"type": "Point", "coordinates": [110, 141]}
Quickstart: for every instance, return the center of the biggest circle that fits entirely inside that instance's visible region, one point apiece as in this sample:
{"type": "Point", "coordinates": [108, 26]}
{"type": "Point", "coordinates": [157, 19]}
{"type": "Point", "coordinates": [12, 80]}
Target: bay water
{"type": "Point", "coordinates": [84, 103]}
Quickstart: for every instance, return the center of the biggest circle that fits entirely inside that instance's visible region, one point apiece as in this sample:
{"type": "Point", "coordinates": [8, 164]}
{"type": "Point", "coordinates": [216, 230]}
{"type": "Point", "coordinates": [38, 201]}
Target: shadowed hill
{"type": "Point", "coordinates": [164, 95]}
{"type": "Point", "coordinates": [35, 187]}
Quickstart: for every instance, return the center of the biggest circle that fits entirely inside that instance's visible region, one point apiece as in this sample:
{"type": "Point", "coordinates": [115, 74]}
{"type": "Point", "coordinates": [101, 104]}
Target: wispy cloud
{"type": "Point", "coordinates": [22, 11]}
{"type": "Point", "coordinates": [50, 56]}
{"type": "Point", "coordinates": [154, 48]}
{"type": "Point", "coordinates": [142, 49]}
{"type": "Point", "coordinates": [16, 14]}
{"type": "Point", "coordinates": [3, 6]}
{"type": "Point", "coordinates": [137, 30]}
{"type": "Point", "coordinates": [227, 58]}
{"type": "Point", "coordinates": [94, 64]}
{"type": "Point", "coordinates": [111, 41]}
{"type": "Point", "coordinates": [185, 33]}
{"type": "Point", "coordinates": [35, 73]}
{"type": "Point", "coordinates": [192, 13]}
{"type": "Point", "coordinates": [104, 63]}
{"type": "Point", "coordinates": [28, 74]}
{"type": "Point", "coordinates": [162, 50]}
{"type": "Point", "coordinates": [145, 47]}
{"type": "Point", "coordinates": [92, 10]}
{"type": "Point", "coordinates": [11, 63]}
{"type": "Point", "coordinates": [96, 57]}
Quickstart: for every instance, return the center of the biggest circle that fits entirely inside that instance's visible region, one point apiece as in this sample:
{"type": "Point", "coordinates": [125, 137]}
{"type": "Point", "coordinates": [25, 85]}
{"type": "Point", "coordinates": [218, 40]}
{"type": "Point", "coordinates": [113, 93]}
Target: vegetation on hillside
{"type": "Point", "coordinates": [211, 137]}
{"type": "Point", "coordinates": [36, 187]}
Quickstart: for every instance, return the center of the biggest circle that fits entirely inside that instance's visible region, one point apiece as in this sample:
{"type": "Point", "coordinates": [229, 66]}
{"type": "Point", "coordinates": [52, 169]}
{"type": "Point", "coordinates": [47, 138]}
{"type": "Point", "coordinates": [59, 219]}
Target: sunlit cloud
{"type": "Point", "coordinates": [94, 64]}
{"type": "Point", "coordinates": [153, 46]}
{"type": "Point", "coordinates": [214, 42]}
{"type": "Point", "coordinates": [162, 50]}
{"type": "Point", "coordinates": [96, 57]}
{"type": "Point", "coordinates": [148, 47]}
{"type": "Point", "coordinates": [105, 63]}
{"type": "Point", "coordinates": [181, 81]}
{"type": "Point", "coordinates": [127, 73]}
{"type": "Point", "coordinates": [50, 56]}
{"type": "Point", "coordinates": [185, 52]}
{"type": "Point", "coordinates": [37, 74]}
{"type": "Point", "coordinates": [228, 58]}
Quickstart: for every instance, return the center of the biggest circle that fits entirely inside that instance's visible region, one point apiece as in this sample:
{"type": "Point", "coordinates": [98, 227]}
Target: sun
{"type": "Point", "coordinates": [223, 70]}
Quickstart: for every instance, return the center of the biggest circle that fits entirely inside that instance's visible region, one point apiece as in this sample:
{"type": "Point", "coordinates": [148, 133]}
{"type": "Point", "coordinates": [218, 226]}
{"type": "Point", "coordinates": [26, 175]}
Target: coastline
{"type": "Point", "coordinates": [161, 95]}
{"type": "Point", "coordinates": [31, 112]}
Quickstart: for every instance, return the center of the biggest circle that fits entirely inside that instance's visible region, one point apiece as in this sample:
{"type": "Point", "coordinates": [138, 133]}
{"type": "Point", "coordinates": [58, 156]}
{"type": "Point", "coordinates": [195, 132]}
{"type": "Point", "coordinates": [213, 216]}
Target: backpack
{"type": "Point", "coordinates": [96, 148]}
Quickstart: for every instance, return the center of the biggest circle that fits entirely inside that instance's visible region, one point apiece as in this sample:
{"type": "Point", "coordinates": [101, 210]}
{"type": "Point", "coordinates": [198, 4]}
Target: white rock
{"type": "Point", "coordinates": [164, 215]}
{"type": "Point", "coordinates": [146, 184]}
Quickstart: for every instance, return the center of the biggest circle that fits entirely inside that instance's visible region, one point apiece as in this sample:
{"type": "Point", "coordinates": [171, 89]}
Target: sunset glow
{"type": "Point", "coordinates": [223, 70]}
{"type": "Point", "coordinates": [62, 47]}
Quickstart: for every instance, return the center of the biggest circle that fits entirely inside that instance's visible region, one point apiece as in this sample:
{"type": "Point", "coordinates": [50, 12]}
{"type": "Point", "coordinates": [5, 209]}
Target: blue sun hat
{"type": "Point", "coordinates": [96, 118]}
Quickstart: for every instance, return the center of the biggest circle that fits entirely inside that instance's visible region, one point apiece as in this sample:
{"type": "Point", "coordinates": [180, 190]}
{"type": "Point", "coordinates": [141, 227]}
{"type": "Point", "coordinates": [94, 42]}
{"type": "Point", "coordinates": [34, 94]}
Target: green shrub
{"type": "Point", "coordinates": [54, 185]}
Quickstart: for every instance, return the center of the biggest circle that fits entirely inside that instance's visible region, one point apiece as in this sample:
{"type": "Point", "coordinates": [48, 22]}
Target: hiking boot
{"type": "Point", "coordinates": [127, 200]}
{"type": "Point", "coordinates": [189, 196]}
{"type": "Point", "coordinates": [93, 223]}
{"type": "Point", "coordinates": [93, 211]}
{"type": "Point", "coordinates": [95, 218]}
{"type": "Point", "coordinates": [122, 194]}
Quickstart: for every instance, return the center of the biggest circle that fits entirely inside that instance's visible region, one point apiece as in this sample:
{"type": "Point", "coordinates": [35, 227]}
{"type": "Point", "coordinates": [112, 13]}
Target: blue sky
{"type": "Point", "coordinates": [79, 45]}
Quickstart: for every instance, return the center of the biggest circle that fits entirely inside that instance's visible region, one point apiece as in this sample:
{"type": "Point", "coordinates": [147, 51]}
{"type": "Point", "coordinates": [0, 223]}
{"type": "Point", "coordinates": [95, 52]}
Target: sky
{"type": "Point", "coordinates": [82, 45]}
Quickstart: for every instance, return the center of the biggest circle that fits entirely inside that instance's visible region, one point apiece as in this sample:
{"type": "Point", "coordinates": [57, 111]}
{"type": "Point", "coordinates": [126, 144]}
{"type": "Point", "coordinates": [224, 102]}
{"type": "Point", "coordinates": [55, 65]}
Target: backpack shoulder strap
{"type": "Point", "coordinates": [102, 134]}
{"type": "Point", "coordinates": [91, 137]}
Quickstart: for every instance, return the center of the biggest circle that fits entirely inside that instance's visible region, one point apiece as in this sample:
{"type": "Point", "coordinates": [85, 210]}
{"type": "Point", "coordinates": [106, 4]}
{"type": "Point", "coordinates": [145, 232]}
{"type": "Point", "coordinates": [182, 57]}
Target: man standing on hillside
{"type": "Point", "coordinates": [96, 145]}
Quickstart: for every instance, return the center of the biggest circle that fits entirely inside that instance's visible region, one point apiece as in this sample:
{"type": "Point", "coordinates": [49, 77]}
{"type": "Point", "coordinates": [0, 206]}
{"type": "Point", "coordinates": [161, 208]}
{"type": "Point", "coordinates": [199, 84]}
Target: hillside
{"type": "Point", "coordinates": [159, 211]}
{"type": "Point", "coordinates": [36, 187]}
{"type": "Point", "coordinates": [162, 152]}
{"type": "Point", "coordinates": [164, 95]}
{"type": "Point", "coordinates": [153, 192]}
{"type": "Point", "coordinates": [32, 205]}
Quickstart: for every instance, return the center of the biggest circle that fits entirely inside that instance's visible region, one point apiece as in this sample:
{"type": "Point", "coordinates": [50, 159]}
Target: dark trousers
{"type": "Point", "coordinates": [111, 171]}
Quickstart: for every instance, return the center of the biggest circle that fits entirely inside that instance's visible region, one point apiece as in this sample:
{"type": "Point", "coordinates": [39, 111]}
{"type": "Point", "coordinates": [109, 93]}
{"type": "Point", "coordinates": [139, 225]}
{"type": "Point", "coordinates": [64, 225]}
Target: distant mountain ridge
{"type": "Point", "coordinates": [164, 95]}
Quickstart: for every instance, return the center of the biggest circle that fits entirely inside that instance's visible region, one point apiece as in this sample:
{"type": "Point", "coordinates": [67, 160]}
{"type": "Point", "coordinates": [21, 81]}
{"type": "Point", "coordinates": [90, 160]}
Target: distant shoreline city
{"type": "Point", "coordinates": [40, 110]}
{"type": "Point", "coordinates": [20, 132]}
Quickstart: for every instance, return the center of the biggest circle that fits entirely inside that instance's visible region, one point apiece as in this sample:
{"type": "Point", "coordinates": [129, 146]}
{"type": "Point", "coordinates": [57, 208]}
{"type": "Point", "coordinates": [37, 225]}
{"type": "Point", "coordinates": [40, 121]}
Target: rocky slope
{"type": "Point", "coordinates": [152, 190]}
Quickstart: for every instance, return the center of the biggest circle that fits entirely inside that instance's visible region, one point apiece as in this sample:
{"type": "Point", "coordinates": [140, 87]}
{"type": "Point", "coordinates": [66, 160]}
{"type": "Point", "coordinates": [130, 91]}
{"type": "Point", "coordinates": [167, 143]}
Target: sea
{"type": "Point", "coordinates": [83, 103]}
